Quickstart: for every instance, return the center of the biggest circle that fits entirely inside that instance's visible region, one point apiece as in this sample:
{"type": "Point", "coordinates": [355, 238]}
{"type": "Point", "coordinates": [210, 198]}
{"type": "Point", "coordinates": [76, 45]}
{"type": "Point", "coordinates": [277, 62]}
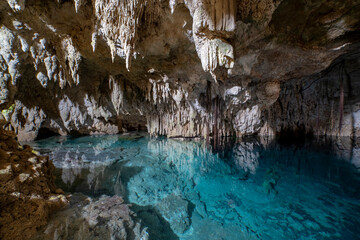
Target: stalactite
{"type": "Point", "coordinates": [213, 26]}
{"type": "Point", "coordinates": [318, 119]}
{"type": "Point", "coordinates": [216, 122]}
{"type": "Point", "coordinates": [118, 23]}
{"type": "Point", "coordinates": [341, 102]}
{"type": "Point", "coordinates": [78, 4]}
{"type": "Point", "coordinates": [208, 108]}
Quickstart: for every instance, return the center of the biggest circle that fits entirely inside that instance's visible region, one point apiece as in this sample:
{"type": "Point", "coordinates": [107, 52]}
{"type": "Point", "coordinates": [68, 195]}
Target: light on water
{"type": "Point", "coordinates": [251, 190]}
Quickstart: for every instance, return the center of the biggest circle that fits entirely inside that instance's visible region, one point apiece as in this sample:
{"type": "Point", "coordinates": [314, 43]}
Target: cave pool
{"type": "Point", "coordinates": [253, 189]}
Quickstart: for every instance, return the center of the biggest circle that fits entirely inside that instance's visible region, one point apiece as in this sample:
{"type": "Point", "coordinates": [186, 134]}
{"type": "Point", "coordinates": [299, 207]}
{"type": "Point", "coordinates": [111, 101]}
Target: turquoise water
{"type": "Point", "coordinates": [254, 189]}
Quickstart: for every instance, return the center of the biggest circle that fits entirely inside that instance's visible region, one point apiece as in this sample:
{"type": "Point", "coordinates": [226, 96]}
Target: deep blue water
{"type": "Point", "coordinates": [254, 189]}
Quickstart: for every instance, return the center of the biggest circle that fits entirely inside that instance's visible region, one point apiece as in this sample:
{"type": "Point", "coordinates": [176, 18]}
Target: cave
{"type": "Point", "coordinates": [45, 133]}
{"type": "Point", "coordinates": [171, 119]}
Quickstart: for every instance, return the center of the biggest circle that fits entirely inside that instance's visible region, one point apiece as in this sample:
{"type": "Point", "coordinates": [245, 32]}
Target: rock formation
{"type": "Point", "coordinates": [85, 218]}
{"type": "Point", "coordinates": [206, 68]}
{"type": "Point", "coordinates": [321, 104]}
{"type": "Point", "coordinates": [28, 193]}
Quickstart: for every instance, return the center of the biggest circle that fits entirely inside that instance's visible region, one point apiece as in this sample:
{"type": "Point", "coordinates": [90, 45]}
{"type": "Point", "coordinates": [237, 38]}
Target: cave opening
{"type": "Point", "coordinates": [45, 132]}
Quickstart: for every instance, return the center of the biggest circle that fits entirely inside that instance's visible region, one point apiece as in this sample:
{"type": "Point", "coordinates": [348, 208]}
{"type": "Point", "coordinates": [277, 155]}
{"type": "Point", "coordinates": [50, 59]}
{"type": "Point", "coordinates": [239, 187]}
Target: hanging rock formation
{"type": "Point", "coordinates": [205, 68]}
{"type": "Point", "coordinates": [213, 25]}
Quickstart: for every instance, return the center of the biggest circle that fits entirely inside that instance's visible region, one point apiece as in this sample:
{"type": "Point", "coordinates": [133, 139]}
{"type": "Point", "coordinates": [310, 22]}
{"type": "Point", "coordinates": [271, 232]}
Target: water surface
{"type": "Point", "coordinates": [254, 189]}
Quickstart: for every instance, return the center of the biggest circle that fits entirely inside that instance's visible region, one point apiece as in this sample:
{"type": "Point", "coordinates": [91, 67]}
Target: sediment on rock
{"type": "Point", "coordinates": [28, 194]}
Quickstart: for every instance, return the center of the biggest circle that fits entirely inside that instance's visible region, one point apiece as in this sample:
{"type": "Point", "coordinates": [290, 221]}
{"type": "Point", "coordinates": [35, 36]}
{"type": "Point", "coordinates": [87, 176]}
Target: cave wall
{"type": "Point", "coordinates": [205, 68]}
{"type": "Point", "coordinates": [326, 103]}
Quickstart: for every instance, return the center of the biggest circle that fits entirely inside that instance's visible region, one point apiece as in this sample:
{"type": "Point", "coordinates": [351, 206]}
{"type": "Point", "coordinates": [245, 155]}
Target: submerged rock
{"type": "Point", "coordinates": [116, 216]}
{"type": "Point", "coordinates": [271, 179]}
{"type": "Point", "coordinates": [94, 219]}
{"type": "Point", "coordinates": [28, 193]}
{"type": "Point", "coordinates": [175, 210]}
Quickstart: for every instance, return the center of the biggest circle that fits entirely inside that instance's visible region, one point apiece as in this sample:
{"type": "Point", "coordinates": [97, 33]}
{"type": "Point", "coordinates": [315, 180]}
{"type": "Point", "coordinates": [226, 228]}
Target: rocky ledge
{"type": "Point", "coordinates": [28, 194]}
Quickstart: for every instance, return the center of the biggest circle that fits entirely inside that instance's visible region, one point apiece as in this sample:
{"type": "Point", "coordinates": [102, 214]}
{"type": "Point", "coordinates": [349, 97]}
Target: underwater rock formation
{"type": "Point", "coordinates": [86, 218]}
{"type": "Point", "coordinates": [206, 68]}
{"type": "Point", "coordinates": [175, 210]}
{"type": "Point", "coordinates": [28, 194]}
{"type": "Point", "coordinates": [180, 189]}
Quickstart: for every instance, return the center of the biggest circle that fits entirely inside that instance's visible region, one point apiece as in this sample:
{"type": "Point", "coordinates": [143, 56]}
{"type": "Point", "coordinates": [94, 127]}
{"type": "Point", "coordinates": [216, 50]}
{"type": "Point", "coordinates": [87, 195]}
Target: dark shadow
{"type": "Point", "coordinates": [190, 209]}
{"type": "Point", "coordinates": [158, 227]}
{"type": "Point", "coordinates": [45, 133]}
{"type": "Point", "coordinates": [298, 136]}
{"type": "Point", "coordinates": [76, 134]}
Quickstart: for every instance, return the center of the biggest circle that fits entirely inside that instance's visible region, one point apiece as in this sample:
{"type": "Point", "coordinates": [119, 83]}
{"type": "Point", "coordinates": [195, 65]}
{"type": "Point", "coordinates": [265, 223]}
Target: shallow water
{"type": "Point", "coordinates": [254, 189]}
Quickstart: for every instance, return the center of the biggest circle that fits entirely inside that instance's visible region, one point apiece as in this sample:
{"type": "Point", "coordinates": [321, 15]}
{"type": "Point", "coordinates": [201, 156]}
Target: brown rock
{"type": "Point", "coordinates": [27, 197]}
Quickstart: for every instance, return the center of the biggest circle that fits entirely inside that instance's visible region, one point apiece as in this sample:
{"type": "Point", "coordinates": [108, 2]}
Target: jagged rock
{"type": "Point", "coordinates": [118, 218]}
{"type": "Point", "coordinates": [28, 193]}
{"type": "Point", "coordinates": [17, 5]}
{"type": "Point", "coordinates": [95, 219]}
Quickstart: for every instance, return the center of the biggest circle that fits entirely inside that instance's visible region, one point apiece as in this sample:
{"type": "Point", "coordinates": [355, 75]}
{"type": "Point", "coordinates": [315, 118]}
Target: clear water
{"type": "Point", "coordinates": [251, 190]}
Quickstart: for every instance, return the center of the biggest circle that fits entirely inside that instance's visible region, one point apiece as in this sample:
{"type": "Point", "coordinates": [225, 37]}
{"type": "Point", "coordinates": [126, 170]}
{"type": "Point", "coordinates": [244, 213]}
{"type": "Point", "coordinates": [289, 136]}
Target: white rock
{"type": "Point", "coordinates": [17, 5]}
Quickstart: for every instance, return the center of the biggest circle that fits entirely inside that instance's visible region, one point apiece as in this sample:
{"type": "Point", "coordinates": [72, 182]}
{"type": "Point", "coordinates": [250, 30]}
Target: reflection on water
{"type": "Point", "coordinates": [255, 189]}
